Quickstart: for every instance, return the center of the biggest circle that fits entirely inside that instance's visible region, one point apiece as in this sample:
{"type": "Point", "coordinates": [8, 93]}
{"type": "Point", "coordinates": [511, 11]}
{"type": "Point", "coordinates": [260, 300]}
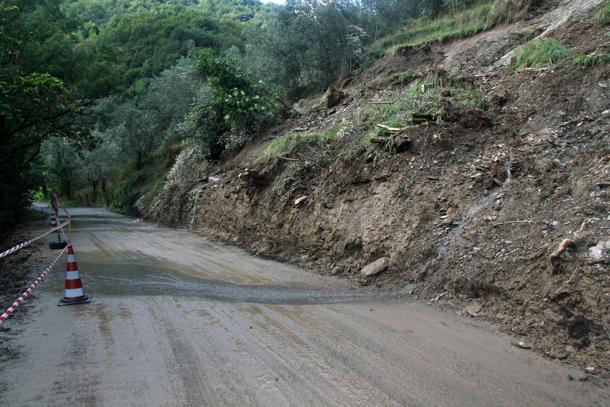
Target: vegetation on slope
{"type": "Point", "coordinates": [100, 97]}
{"type": "Point", "coordinates": [540, 52]}
{"type": "Point", "coordinates": [455, 23]}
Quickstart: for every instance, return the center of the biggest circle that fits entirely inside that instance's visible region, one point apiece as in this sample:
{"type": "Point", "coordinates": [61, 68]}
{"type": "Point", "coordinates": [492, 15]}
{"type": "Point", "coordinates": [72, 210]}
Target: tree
{"type": "Point", "coordinates": [34, 105]}
{"type": "Point", "coordinates": [137, 132]}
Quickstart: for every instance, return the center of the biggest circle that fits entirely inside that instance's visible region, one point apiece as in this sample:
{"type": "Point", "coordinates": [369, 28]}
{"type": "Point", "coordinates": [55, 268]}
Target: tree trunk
{"type": "Point", "coordinates": [105, 191]}
{"type": "Point", "coordinates": [94, 191]}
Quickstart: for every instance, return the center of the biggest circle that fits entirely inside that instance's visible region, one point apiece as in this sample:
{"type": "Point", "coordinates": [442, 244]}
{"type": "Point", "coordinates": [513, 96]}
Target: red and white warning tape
{"type": "Point", "coordinates": [29, 242]}
{"type": "Point", "coordinates": [30, 288]}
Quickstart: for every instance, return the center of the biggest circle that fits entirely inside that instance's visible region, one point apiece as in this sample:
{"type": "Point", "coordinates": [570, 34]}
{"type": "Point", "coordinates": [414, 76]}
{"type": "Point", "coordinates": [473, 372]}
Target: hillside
{"type": "Point", "coordinates": [494, 151]}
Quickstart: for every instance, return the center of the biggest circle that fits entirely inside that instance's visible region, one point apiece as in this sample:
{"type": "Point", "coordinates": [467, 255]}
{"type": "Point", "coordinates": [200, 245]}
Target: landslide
{"type": "Point", "coordinates": [471, 204]}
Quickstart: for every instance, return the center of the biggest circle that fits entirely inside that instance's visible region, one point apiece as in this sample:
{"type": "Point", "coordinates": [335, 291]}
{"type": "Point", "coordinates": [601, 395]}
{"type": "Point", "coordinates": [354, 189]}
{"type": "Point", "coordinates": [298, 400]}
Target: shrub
{"type": "Point", "coordinates": [540, 53]}
{"type": "Point", "coordinates": [593, 59]}
{"type": "Point", "coordinates": [289, 143]}
{"type": "Point", "coordinates": [506, 11]}
{"type": "Point", "coordinates": [603, 14]}
{"type": "Point", "coordinates": [235, 106]}
{"type": "Point", "coordinates": [526, 34]}
{"type": "Point", "coordinates": [459, 23]}
{"type": "Point", "coordinates": [403, 78]}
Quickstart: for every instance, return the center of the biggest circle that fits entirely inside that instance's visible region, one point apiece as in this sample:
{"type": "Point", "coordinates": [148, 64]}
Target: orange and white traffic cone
{"type": "Point", "coordinates": [52, 221]}
{"type": "Point", "coordinates": [74, 292]}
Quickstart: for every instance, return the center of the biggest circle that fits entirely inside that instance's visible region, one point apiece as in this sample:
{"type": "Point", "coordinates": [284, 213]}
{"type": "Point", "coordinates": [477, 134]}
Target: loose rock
{"type": "Point", "coordinates": [472, 310]}
{"type": "Point", "coordinates": [300, 200]}
{"type": "Point", "coordinates": [521, 344]}
{"type": "Point", "coordinates": [375, 267]}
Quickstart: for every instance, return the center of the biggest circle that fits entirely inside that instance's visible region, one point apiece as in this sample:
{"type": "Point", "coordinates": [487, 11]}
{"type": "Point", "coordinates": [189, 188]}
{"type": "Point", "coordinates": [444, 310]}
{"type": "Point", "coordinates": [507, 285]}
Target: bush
{"type": "Point", "coordinates": [540, 53]}
{"type": "Point", "coordinates": [403, 78]}
{"type": "Point", "coordinates": [234, 108]}
{"type": "Point", "coordinates": [290, 143]}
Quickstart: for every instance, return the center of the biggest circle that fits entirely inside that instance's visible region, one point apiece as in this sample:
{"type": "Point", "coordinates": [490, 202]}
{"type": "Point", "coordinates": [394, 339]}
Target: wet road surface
{"type": "Point", "coordinates": [177, 320]}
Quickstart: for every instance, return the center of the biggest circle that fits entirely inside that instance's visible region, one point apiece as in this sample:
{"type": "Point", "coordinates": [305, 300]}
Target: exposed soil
{"type": "Point", "coordinates": [472, 211]}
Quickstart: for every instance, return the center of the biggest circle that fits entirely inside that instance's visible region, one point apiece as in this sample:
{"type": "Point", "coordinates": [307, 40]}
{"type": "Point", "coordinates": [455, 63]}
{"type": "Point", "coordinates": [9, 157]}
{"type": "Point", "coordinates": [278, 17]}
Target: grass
{"type": "Point", "coordinates": [422, 96]}
{"type": "Point", "coordinates": [593, 59]}
{"type": "Point", "coordinates": [526, 34]}
{"type": "Point", "coordinates": [290, 143]}
{"type": "Point", "coordinates": [603, 14]}
{"type": "Point", "coordinates": [459, 24]}
{"type": "Point", "coordinates": [539, 53]}
{"type": "Point", "coordinates": [405, 77]}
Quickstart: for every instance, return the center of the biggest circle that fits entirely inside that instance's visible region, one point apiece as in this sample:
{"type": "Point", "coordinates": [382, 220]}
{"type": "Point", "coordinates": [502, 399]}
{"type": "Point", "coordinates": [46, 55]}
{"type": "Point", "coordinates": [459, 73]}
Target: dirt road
{"type": "Point", "coordinates": [177, 320]}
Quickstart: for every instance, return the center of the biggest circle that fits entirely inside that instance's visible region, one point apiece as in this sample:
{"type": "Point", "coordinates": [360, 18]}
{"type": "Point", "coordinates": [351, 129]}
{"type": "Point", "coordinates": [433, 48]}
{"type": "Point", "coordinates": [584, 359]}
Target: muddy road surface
{"type": "Point", "coordinates": [177, 320]}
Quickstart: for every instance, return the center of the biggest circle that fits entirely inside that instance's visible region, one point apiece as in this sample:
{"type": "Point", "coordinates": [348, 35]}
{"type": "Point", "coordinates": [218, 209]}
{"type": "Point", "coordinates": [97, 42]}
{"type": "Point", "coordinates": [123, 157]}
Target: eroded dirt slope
{"type": "Point", "coordinates": [472, 211]}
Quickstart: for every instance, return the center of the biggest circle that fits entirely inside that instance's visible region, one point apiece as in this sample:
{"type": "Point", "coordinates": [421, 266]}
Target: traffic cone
{"type": "Point", "coordinates": [52, 221]}
{"type": "Point", "coordinates": [74, 292]}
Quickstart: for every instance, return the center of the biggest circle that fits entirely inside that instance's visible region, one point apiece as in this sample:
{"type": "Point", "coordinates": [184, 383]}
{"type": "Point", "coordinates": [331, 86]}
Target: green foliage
{"type": "Point", "coordinates": [137, 188]}
{"type": "Point", "coordinates": [307, 45]}
{"type": "Point", "coordinates": [526, 34]}
{"type": "Point", "coordinates": [540, 53]}
{"type": "Point", "coordinates": [459, 21]}
{"type": "Point", "coordinates": [592, 59]}
{"type": "Point", "coordinates": [147, 40]}
{"type": "Point", "coordinates": [603, 14]}
{"type": "Point", "coordinates": [34, 104]}
{"type": "Point", "coordinates": [462, 24]}
{"type": "Point", "coordinates": [288, 144]}
{"type": "Point", "coordinates": [405, 77]}
{"type": "Point", "coordinates": [506, 11]}
{"type": "Point", "coordinates": [235, 107]}
{"type": "Point", "coordinates": [422, 96]}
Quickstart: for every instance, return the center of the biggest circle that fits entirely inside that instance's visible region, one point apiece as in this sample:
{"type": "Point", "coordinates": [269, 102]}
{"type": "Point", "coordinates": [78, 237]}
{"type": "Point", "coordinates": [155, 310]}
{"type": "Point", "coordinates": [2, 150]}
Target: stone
{"type": "Point", "coordinates": [333, 97]}
{"type": "Point", "coordinates": [375, 267]}
{"type": "Point", "coordinates": [521, 344]}
{"type": "Point", "coordinates": [552, 315]}
{"type": "Point", "coordinates": [599, 251]}
{"type": "Point", "coordinates": [300, 200]}
{"type": "Point", "coordinates": [472, 310]}
{"type": "Point", "coordinates": [591, 370]}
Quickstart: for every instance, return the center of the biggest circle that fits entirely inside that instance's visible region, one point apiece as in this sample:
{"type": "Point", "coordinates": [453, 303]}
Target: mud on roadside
{"type": "Point", "coordinates": [472, 211]}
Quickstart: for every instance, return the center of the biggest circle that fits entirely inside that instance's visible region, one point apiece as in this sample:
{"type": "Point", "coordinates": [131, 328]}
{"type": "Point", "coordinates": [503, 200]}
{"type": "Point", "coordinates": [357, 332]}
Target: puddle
{"type": "Point", "coordinates": [133, 277]}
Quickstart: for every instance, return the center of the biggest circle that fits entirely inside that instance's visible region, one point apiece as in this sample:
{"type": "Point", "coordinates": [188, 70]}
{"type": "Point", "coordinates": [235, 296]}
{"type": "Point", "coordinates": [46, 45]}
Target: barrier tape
{"type": "Point", "coordinates": [30, 288]}
{"type": "Point", "coordinates": [29, 242]}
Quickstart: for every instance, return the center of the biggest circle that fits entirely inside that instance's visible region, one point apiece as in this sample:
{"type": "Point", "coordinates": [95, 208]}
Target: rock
{"type": "Point", "coordinates": [521, 344]}
{"type": "Point", "coordinates": [472, 310]}
{"type": "Point", "coordinates": [558, 355]}
{"type": "Point", "coordinates": [552, 315]}
{"type": "Point", "coordinates": [591, 370]}
{"type": "Point", "coordinates": [581, 377]}
{"type": "Point", "coordinates": [254, 177]}
{"type": "Point", "coordinates": [599, 251]}
{"type": "Point", "coordinates": [375, 267]}
{"type": "Point", "coordinates": [300, 200]}
{"type": "Point", "coordinates": [333, 97]}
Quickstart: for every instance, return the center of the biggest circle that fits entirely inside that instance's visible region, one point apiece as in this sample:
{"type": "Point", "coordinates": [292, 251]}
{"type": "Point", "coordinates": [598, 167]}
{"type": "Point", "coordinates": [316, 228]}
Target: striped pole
{"type": "Point", "coordinates": [24, 295]}
{"type": "Point", "coordinates": [74, 292]}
